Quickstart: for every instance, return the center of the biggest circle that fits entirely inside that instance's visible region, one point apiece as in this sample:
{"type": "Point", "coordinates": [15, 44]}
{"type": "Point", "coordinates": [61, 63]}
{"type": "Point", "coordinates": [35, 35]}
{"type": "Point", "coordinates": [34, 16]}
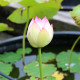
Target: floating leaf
{"type": "Point", "coordinates": [27, 50]}
{"type": "Point", "coordinates": [58, 76]}
{"type": "Point", "coordinates": [3, 78]}
{"type": "Point", "coordinates": [75, 14]}
{"type": "Point", "coordinates": [63, 60]}
{"type": "Point", "coordinates": [4, 27]}
{"type": "Point", "coordinates": [48, 9]}
{"type": "Point", "coordinates": [33, 69]}
{"type": "Point", "coordinates": [46, 57]}
{"type": "Point", "coordinates": [9, 57]}
{"type": "Point", "coordinates": [32, 78]}
{"type": "Point", "coordinates": [5, 68]}
{"type": "Point", "coordinates": [50, 78]}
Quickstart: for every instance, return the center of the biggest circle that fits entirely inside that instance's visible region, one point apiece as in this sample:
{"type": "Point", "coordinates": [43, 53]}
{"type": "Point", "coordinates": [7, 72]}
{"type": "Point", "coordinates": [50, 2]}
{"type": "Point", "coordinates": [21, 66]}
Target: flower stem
{"type": "Point", "coordinates": [24, 33]}
{"type": "Point", "coordinates": [72, 51]}
{"type": "Point", "coordinates": [40, 63]}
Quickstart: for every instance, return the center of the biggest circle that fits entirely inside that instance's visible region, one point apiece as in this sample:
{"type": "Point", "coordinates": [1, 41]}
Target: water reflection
{"type": "Point", "coordinates": [18, 68]}
{"type": "Point", "coordinates": [15, 72]}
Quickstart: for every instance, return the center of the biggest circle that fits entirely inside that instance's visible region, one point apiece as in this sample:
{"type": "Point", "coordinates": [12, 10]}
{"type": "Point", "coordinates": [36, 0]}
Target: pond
{"type": "Point", "coordinates": [18, 73]}
{"type": "Point", "coordinates": [61, 42]}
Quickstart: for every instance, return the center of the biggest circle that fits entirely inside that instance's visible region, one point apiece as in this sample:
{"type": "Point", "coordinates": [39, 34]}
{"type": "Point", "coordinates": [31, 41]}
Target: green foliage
{"type": "Point", "coordinates": [27, 3]}
{"type": "Point", "coordinates": [50, 78]}
{"type": "Point", "coordinates": [4, 27]}
{"type": "Point", "coordinates": [33, 69]}
{"type": "Point", "coordinates": [63, 60]}
{"type": "Point", "coordinates": [3, 78]}
{"type": "Point", "coordinates": [3, 3]}
{"type": "Point", "coordinates": [9, 57]}
{"type": "Point", "coordinates": [48, 9]}
{"type": "Point", "coordinates": [27, 50]}
{"type": "Point", "coordinates": [18, 16]}
{"type": "Point", "coordinates": [75, 14]}
{"type": "Point", "coordinates": [6, 2]}
{"type": "Point", "coordinates": [5, 68]}
{"type": "Point", "coordinates": [46, 57]}
{"type": "Point", "coordinates": [32, 78]}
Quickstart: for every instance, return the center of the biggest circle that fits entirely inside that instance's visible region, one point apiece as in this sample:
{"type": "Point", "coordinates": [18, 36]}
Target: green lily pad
{"type": "Point", "coordinates": [32, 78]}
{"type": "Point", "coordinates": [63, 60]}
{"type": "Point", "coordinates": [4, 27]}
{"type": "Point", "coordinates": [33, 69]}
{"type": "Point", "coordinates": [9, 57]}
{"type": "Point", "coordinates": [3, 3]}
{"type": "Point", "coordinates": [46, 57]}
{"type": "Point", "coordinates": [3, 78]}
{"type": "Point", "coordinates": [50, 78]}
{"type": "Point", "coordinates": [27, 51]}
{"type": "Point", "coordinates": [5, 68]}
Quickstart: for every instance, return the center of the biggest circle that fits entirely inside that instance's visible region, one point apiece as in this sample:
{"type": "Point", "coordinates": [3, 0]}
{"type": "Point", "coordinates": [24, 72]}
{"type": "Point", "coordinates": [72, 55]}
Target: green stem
{"type": "Point", "coordinates": [72, 51]}
{"type": "Point", "coordinates": [25, 30]}
{"type": "Point", "coordinates": [40, 63]}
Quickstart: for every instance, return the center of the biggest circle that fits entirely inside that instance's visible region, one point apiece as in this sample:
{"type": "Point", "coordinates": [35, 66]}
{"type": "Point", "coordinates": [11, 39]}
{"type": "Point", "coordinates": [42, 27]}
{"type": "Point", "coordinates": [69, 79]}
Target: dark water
{"type": "Point", "coordinates": [18, 66]}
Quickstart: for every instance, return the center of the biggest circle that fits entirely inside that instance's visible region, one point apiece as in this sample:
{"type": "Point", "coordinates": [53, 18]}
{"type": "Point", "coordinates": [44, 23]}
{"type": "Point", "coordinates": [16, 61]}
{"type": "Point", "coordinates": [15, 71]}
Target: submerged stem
{"type": "Point", "coordinates": [24, 33]}
{"type": "Point", "coordinates": [72, 51]}
{"type": "Point", "coordinates": [40, 63]}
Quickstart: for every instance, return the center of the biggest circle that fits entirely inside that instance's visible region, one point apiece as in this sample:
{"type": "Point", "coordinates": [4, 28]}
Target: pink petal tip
{"type": "Point", "coordinates": [36, 18]}
{"type": "Point", "coordinates": [44, 19]}
{"type": "Point", "coordinates": [52, 25]}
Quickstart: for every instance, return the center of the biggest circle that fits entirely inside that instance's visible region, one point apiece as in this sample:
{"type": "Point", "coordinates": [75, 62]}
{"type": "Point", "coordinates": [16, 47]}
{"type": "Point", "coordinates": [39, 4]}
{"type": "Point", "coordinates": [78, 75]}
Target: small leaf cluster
{"type": "Point", "coordinates": [10, 57]}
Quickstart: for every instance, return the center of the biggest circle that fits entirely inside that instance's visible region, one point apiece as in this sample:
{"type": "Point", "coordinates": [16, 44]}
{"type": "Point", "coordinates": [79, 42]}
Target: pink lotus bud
{"type": "Point", "coordinates": [40, 32]}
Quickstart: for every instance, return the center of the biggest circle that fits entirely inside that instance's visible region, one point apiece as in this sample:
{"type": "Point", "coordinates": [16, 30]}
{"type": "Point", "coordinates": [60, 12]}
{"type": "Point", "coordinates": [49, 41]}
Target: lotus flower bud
{"type": "Point", "coordinates": [75, 14]}
{"type": "Point", "coordinates": [40, 32]}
